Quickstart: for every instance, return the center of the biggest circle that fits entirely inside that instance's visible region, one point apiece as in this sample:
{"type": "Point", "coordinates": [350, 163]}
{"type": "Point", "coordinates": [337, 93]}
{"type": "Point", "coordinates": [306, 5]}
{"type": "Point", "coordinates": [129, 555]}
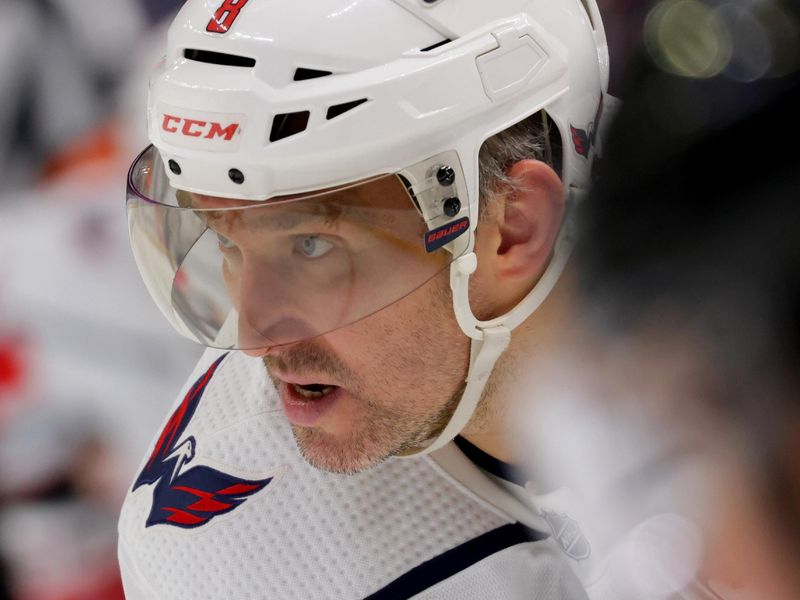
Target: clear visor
{"type": "Point", "coordinates": [256, 274]}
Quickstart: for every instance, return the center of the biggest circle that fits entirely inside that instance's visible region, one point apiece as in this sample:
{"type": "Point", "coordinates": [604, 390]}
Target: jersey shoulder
{"type": "Point", "coordinates": [224, 506]}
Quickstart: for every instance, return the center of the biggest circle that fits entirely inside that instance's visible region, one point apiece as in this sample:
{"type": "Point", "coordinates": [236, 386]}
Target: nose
{"type": "Point", "coordinates": [280, 334]}
{"type": "Point", "coordinates": [265, 298]}
{"type": "Point", "coordinates": [274, 350]}
{"type": "Point", "coordinates": [257, 298]}
{"type": "Point", "coordinates": [250, 340]}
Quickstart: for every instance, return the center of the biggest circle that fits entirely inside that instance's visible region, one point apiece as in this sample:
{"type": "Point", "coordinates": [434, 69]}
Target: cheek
{"type": "Point", "coordinates": [414, 344]}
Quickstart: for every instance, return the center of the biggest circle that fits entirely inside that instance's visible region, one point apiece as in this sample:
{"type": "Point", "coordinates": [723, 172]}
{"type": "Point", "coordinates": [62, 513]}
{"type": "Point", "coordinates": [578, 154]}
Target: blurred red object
{"type": "Point", "coordinates": [14, 372]}
{"type": "Point", "coordinates": [12, 365]}
{"type": "Point", "coordinates": [97, 148]}
{"type": "Point", "coordinates": [105, 584]}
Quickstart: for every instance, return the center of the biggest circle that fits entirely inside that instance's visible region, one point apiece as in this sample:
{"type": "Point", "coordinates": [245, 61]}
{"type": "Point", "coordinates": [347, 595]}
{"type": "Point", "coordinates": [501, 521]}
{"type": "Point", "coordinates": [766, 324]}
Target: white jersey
{"type": "Point", "coordinates": [224, 507]}
{"type": "Point", "coordinates": [606, 573]}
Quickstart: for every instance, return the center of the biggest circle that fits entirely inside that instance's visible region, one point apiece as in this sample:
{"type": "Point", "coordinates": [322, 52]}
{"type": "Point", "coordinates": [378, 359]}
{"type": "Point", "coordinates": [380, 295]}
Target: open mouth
{"type": "Point", "coordinates": [313, 390]}
{"type": "Point", "coordinates": [306, 403]}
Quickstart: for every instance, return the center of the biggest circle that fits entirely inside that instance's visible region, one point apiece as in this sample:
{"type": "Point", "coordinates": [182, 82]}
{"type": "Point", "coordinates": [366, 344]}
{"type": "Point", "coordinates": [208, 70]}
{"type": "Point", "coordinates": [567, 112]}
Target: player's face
{"type": "Point", "coordinates": [302, 275]}
{"type": "Point", "coordinates": [378, 387]}
{"type": "Point", "coordinates": [295, 268]}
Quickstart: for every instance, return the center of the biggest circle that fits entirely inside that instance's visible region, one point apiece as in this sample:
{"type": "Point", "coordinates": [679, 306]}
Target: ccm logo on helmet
{"type": "Point", "coordinates": [196, 128]}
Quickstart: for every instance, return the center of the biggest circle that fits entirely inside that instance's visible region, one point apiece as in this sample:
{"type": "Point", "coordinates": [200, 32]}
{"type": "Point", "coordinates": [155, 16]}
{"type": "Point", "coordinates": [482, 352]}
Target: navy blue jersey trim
{"type": "Point", "coordinates": [487, 462]}
{"type": "Point", "coordinates": [456, 560]}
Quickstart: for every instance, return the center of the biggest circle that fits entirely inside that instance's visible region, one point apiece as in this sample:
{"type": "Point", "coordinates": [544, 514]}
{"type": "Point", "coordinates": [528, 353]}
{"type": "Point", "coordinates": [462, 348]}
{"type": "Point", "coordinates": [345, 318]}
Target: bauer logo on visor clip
{"type": "Point", "coordinates": [440, 236]}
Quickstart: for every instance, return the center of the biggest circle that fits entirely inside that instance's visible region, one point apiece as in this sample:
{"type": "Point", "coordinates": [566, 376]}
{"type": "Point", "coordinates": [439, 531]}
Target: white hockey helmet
{"type": "Point", "coordinates": [362, 116]}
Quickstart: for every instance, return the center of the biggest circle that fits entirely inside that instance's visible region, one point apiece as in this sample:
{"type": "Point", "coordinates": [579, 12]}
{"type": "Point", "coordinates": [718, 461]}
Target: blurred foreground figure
{"type": "Point", "coordinates": [681, 430]}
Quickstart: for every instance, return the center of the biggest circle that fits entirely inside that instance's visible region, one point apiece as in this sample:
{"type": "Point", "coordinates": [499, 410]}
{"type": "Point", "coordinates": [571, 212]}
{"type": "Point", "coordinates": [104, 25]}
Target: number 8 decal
{"type": "Point", "coordinates": [225, 16]}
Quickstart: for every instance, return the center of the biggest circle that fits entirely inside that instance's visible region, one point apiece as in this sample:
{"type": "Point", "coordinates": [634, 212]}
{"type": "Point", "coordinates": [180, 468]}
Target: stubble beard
{"type": "Point", "coordinates": [398, 422]}
{"type": "Point", "coordinates": [381, 431]}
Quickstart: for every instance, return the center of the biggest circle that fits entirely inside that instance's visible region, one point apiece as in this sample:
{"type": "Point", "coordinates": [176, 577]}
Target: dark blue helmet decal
{"type": "Point", "coordinates": [189, 498]}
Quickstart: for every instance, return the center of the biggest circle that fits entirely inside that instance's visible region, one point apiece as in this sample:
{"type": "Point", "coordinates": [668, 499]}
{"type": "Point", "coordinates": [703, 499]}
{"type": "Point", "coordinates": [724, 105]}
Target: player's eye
{"type": "Point", "coordinates": [311, 246]}
{"type": "Point", "coordinates": [225, 243]}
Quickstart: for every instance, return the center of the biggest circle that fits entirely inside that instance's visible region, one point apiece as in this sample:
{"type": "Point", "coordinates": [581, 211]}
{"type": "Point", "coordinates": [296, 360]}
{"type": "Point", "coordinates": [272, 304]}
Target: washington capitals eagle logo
{"type": "Point", "coordinates": [583, 140]}
{"type": "Point", "coordinates": [190, 497]}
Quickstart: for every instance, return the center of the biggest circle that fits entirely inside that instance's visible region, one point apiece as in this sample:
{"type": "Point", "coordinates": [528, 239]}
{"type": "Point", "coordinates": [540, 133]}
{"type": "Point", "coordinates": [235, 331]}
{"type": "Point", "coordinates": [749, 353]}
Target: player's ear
{"type": "Point", "coordinates": [529, 221]}
{"type": "Point", "coordinates": [515, 242]}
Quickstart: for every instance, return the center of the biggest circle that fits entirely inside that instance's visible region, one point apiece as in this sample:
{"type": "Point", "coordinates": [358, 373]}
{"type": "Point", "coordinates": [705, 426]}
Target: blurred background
{"type": "Point", "coordinates": [88, 367]}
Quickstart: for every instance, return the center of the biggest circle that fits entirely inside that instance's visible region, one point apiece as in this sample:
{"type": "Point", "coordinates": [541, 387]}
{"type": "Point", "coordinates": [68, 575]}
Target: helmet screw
{"type": "Point", "coordinates": [445, 176]}
{"type": "Point", "coordinates": [452, 206]}
{"type": "Point", "coordinates": [174, 167]}
{"type": "Point", "coordinates": [236, 176]}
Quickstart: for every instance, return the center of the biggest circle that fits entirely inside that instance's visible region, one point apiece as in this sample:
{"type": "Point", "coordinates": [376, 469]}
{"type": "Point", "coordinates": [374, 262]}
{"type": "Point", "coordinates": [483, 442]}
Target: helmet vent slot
{"type": "Point", "coordinates": [339, 109]}
{"type": "Point", "coordinates": [218, 58]}
{"type": "Point", "coordinates": [436, 45]}
{"type": "Point", "coordinates": [302, 74]}
{"type": "Point", "coordinates": [588, 13]}
{"type": "Point", "coordinates": [288, 124]}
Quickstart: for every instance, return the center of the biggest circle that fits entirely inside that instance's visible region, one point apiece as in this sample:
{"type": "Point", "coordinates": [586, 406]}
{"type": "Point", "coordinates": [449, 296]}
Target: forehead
{"type": "Point", "coordinates": [380, 203]}
{"type": "Point", "coordinates": [386, 192]}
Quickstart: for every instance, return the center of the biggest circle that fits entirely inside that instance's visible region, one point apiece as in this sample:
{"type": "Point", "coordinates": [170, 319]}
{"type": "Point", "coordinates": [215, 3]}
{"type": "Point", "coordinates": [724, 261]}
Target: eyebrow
{"type": "Point", "coordinates": [272, 218]}
{"type": "Point", "coordinates": [266, 219]}
{"type": "Point", "coordinates": [287, 220]}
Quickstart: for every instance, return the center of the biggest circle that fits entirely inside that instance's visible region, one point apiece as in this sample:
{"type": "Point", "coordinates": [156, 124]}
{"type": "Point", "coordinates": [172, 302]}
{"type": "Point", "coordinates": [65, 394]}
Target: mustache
{"type": "Point", "coordinates": [308, 356]}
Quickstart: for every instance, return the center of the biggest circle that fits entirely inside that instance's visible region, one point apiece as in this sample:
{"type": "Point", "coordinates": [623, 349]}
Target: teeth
{"type": "Point", "coordinates": [310, 393]}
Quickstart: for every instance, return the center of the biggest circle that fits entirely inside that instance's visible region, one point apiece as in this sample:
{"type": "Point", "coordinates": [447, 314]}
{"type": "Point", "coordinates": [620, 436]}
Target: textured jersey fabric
{"type": "Point", "coordinates": [224, 507]}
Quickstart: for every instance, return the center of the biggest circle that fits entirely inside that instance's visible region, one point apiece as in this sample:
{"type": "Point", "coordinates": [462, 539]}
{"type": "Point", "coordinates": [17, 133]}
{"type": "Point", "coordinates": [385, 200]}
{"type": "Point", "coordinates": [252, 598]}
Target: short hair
{"type": "Point", "coordinates": [535, 137]}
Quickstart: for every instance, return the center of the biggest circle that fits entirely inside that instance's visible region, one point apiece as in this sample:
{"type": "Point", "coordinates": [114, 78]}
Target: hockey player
{"type": "Point", "coordinates": [354, 205]}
